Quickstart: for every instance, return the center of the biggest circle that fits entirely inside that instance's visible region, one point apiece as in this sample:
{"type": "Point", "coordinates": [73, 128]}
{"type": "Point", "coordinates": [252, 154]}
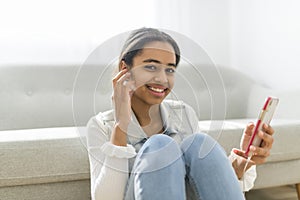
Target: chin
{"type": "Point", "coordinates": [155, 102]}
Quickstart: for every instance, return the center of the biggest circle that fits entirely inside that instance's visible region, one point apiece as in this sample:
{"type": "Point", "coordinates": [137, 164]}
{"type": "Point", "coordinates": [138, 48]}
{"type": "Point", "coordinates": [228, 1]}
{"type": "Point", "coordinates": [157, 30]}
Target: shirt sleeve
{"type": "Point", "coordinates": [247, 181]}
{"type": "Point", "coordinates": [108, 162]}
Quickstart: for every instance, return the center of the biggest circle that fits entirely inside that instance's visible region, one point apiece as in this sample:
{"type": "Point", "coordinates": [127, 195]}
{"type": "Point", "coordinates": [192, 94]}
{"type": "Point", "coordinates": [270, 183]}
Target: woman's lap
{"type": "Point", "coordinates": [162, 168]}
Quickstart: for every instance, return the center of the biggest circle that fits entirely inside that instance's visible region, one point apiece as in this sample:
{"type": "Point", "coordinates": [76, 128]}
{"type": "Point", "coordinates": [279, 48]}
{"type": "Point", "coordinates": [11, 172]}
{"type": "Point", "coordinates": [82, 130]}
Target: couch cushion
{"type": "Point", "coordinates": [286, 137]}
{"type": "Point", "coordinates": [70, 190]}
{"type": "Point", "coordinates": [45, 155]}
{"type": "Point", "coordinates": [59, 154]}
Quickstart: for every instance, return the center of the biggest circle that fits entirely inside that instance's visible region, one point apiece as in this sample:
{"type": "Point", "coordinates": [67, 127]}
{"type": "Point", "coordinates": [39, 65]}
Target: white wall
{"type": "Point", "coordinates": [207, 22]}
{"type": "Point", "coordinates": [266, 41]}
{"type": "Point", "coordinates": [259, 37]}
{"type": "Point", "coordinates": [64, 31]}
{"type": "Point", "coordinates": [211, 28]}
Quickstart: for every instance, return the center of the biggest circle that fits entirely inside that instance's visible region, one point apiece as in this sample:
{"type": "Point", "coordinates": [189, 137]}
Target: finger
{"type": "Point", "coordinates": [267, 139]}
{"type": "Point", "coordinates": [243, 155]}
{"type": "Point", "coordinates": [243, 158]}
{"type": "Point", "coordinates": [259, 159]}
{"type": "Point", "coordinates": [120, 90]}
{"type": "Point", "coordinates": [126, 85]}
{"type": "Point", "coordinates": [131, 85]}
{"type": "Point", "coordinates": [123, 80]}
{"type": "Point", "coordinates": [239, 153]}
{"type": "Point", "coordinates": [119, 75]}
{"type": "Point", "coordinates": [259, 151]}
{"type": "Point", "coordinates": [249, 129]}
{"type": "Point", "coordinates": [268, 129]}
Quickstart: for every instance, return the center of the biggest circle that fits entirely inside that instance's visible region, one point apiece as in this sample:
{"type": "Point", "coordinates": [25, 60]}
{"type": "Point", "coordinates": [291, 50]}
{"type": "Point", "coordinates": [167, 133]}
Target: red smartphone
{"type": "Point", "coordinates": [265, 117]}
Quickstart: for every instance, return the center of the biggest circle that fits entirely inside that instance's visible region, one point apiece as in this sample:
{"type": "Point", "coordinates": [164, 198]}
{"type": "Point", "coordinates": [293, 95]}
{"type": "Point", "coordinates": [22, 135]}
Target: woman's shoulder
{"type": "Point", "coordinates": [99, 129]}
{"type": "Point", "coordinates": [102, 119]}
{"type": "Point", "coordinates": [176, 104]}
{"type": "Point", "coordinates": [106, 116]}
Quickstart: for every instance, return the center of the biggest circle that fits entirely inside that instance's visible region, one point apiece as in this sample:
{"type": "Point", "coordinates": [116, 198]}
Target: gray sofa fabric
{"type": "Point", "coordinates": [45, 109]}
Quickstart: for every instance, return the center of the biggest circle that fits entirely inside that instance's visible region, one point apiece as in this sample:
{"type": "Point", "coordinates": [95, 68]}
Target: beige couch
{"type": "Point", "coordinates": [44, 110]}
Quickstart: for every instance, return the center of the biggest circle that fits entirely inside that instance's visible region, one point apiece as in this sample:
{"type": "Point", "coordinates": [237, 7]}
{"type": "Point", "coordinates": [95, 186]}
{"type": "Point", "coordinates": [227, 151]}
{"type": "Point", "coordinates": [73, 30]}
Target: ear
{"type": "Point", "coordinates": [122, 65]}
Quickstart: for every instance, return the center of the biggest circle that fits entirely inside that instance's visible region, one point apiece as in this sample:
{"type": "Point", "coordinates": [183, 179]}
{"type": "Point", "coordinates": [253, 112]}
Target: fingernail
{"type": "Point", "coordinates": [235, 151]}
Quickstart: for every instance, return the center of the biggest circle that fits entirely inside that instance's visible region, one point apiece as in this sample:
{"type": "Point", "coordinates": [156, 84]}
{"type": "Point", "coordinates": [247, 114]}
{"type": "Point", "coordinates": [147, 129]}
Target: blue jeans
{"type": "Point", "coordinates": [197, 169]}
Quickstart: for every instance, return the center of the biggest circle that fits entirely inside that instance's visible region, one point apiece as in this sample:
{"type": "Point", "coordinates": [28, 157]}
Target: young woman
{"type": "Point", "coordinates": [147, 147]}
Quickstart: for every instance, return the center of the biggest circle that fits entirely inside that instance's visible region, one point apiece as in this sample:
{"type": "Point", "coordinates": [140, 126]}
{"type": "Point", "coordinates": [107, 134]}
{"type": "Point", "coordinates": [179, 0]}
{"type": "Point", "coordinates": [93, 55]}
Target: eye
{"type": "Point", "coordinates": [170, 70]}
{"type": "Point", "coordinates": [150, 67]}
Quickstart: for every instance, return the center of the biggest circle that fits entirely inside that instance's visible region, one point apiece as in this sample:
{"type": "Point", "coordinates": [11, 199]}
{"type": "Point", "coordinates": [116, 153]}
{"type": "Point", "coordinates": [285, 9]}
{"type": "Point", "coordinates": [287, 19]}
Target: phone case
{"type": "Point", "coordinates": [265, 116]}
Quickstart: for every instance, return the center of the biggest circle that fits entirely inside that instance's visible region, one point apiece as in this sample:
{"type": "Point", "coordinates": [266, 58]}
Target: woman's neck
{"type": "Point", "coordinates": [149, 118]}
{"type": "Point", "coordinates": [146, 113]}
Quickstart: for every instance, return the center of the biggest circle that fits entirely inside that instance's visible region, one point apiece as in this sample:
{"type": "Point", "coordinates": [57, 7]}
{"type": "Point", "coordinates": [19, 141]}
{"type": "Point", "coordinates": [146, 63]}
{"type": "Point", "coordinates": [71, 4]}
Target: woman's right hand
{"type": "Point", "coordinates": [123, 88]}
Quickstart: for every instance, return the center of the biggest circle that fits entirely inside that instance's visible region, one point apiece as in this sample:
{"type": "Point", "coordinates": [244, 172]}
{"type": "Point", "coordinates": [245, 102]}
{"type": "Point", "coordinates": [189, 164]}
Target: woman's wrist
{"type": "Point", "coordinates": [239, 164]}
{"type": "Point", "coordinates": [238, 169]}
{"type": "Point", "coordinates": [119, 136]}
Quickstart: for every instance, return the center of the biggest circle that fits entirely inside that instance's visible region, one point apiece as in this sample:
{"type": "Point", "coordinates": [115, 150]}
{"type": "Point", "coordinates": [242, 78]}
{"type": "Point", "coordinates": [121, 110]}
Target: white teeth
{"type": "Point", "coordinates": [156, 89]}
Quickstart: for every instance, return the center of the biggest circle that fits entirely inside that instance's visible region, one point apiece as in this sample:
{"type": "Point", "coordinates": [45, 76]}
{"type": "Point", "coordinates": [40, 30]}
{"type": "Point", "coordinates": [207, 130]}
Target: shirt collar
{"type": "Point", "coordinates": [135, 132]}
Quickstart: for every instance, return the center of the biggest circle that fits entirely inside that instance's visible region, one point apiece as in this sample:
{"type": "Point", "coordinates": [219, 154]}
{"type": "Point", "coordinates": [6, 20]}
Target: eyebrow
{"type": "Point", "coordinates": [150, 60]}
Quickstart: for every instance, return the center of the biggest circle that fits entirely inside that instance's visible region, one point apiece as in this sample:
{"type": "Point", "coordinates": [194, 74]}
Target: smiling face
{"type": "Point", "coordinates": [153, 71]}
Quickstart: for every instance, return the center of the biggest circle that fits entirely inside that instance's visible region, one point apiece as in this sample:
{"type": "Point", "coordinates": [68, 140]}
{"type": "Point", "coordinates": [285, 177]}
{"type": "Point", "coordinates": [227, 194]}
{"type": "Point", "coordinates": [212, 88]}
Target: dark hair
{"type": "Point", "coordinates": [139, 38]}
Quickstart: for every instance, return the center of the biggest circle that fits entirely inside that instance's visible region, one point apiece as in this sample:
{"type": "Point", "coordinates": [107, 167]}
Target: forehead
{"type": "Point", "coordinates": [162, 51]}
{"type": "Point", "coordinates": [159, 45]}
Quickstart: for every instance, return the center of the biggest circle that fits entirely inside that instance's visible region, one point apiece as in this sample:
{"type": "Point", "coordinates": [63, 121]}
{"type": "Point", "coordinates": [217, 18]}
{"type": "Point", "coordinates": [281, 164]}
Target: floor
{"type": "Point", "coordinates": [278, 193]}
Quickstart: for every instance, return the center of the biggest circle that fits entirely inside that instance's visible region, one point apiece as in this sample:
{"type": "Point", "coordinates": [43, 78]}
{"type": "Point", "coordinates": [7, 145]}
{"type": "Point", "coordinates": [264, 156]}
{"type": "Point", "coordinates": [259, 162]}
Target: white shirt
{"type": "Point", "coordinates": [111, 164]}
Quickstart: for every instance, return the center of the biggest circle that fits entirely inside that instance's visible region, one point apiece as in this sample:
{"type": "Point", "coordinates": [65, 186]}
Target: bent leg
{"type": "Point", "coordinates": [158, 171]}
{"type": "Point", "coordinates": [209, 172]}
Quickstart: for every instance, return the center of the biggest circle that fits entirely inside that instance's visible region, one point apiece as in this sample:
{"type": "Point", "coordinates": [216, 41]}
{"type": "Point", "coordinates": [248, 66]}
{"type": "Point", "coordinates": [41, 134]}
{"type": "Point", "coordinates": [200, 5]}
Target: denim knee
{"type": "Point", "coordinates": [157, 142]}
{"type": "Point", "coordinates": [200, 144]}
{"type": "Point", "coordinates": [159, 171]}
{"type": "Point", "coordinates": [207, 165]}
{"type": "Point", "coordinates": [158, 152]}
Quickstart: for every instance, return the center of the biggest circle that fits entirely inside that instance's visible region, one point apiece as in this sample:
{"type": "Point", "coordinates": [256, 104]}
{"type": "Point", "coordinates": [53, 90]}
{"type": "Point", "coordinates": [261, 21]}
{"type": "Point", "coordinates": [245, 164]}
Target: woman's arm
{"type": "Point", "coordinates": [246, 176]}
{"type": "Point", "coordinates": [108, 163]}
{"type": "Point", "coordinates": [259, 154]}
{"type": "Point", "coordinates": [123, 89]}
{"type": "Point", "coordinates": [108, 149]}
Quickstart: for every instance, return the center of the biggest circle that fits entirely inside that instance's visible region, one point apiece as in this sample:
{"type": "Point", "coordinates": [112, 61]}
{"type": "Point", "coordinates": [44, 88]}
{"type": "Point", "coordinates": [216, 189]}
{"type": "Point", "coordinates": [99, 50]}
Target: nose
{"type": "Point", "coordinates": [161, 76]}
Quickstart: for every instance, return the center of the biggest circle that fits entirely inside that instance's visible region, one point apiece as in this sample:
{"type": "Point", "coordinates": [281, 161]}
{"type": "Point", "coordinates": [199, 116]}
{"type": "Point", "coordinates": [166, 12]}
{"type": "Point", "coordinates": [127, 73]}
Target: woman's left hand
{"type": "Point", "coordinates": [259, 154]}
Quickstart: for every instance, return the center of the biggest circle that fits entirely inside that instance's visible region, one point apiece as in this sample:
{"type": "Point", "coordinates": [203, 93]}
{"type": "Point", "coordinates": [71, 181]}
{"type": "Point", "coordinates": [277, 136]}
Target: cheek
{"type": "Point", "coordinates": [141, 81]}
{"type": "Point", "coordinates": [142, 78]}
{"type": "Point", "coordinates": [171, 81]}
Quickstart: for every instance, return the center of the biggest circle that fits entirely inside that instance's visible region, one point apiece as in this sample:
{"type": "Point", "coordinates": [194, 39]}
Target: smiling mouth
{"type": "Point", "coordinates": [156, 89]}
